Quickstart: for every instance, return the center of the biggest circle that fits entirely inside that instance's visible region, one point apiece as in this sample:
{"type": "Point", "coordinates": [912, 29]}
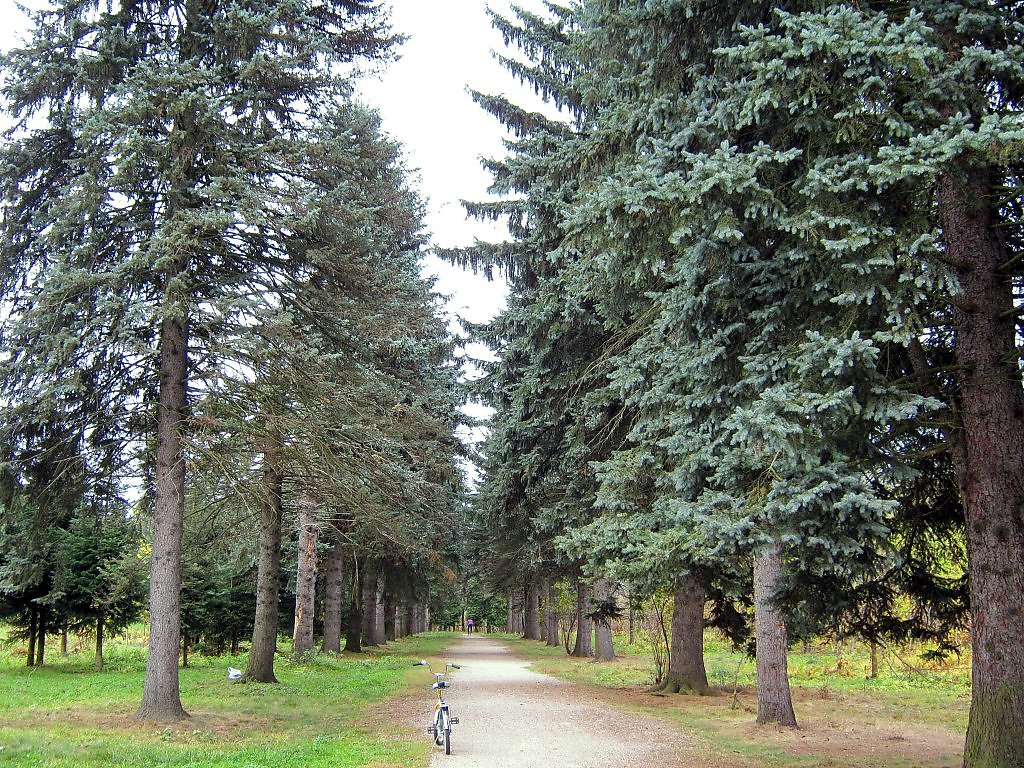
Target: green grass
{"type": "Point", "coordinates": [321, 713]}
{"type": "Point", "coordinates": [331, 711]}
{"type": "Point", "coordinates": [912, 714]}
{"type": "Point", "coordinates": [821, 668]}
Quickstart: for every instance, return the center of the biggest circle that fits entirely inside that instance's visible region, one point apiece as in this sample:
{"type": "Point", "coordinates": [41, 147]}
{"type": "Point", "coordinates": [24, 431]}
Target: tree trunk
{"type": "Point", "coordinates": [874, 660]}
{"type": "Point", "coordinates": [333, 598]}
{"type": "Point", "coordinates": [379, 635]}
{"type": "Point", "coordinates": [400, 625]}
{"type": "Point", "coordinates": [390, 618]}
{"type": "Point", "coordinates": [517, 610]}
{"type": "Point", "coordinates": [370, 616]}
{"type": "Point", "coordinates": [64, 640]}
{"type": "Point", "coordinates": [161, 696]}
{"type": "Point", "coordinates": [260, 667]}
{"type": "Point", "coordinates": [604, 649]}
{"type": "Point", "coordinates": [410, 619]}
{"type": "Point", "coordinates": [584, 625]}
{"type": "Point", "coordinates": [551, 614]}
{"type": "Point", "coordinates": [33, 625]}
{"type": "Point", "coordinates": [531, 622]}
{"type": "Point", "coordinates": [99, 643]}
{"type": "Point", "coordinates": [305, 582]}
{"type": "Point", "coordinates": [631, 617]}
{"type": "Point", "coordinates": [992, 476]}
{"type": "Point", "coordinates": [686, 672]}
{"type": "Point", "coordinates": [184, 650]}
{"type": "Point", "coordinates": [41, 638]}
{"type": "Point", "coordinates": [774, 703]}
{"type": "Point", "coordinates": [354, 631]}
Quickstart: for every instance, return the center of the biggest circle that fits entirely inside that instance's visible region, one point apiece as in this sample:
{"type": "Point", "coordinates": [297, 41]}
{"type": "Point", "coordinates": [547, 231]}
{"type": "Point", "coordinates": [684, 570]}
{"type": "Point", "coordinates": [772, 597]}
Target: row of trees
{"type": "Point", "coordinates": [214, 323]}
{"type": "Point", "coordinates": [762, 347]}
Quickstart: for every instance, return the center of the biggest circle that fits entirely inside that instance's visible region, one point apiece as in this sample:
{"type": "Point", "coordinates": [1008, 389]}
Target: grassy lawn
{"type": "Point", "coordinates": [911, 716]}
{"type": "Point", "coordinates": [355, 710]}
{"type": "Point", "coordinates": [329, 712]}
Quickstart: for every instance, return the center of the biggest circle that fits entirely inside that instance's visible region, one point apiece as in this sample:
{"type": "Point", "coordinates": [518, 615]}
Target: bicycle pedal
{"type": "Point", "coordinates": [455, 721]}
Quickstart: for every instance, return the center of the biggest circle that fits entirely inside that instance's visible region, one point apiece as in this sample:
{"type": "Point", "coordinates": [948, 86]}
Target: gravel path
{"type": "Point", "coordinates": [511, 717]}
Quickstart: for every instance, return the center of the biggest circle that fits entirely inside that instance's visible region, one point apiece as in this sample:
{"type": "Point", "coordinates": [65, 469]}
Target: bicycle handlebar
{"type": "Point", "coordinates": [424, 663]}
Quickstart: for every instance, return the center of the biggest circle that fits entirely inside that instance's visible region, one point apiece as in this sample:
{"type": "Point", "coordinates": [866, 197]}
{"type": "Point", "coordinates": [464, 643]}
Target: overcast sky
{"type": "Point", "coordinates": [424, 103]}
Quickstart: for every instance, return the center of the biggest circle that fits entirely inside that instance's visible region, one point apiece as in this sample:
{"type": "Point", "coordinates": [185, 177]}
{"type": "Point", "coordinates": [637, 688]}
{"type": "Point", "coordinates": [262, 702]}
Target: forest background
{"type": "Point", "coordinates": [761, 347]}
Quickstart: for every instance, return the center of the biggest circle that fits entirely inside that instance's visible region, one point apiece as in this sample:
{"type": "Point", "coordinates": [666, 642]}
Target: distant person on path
{"type": "Point", "coordinates": [469, 626]}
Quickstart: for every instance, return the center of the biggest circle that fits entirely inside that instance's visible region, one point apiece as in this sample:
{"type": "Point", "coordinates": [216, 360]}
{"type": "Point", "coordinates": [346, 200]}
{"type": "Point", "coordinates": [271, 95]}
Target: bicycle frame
{"type": "Point", "coordinates": [441, 729]}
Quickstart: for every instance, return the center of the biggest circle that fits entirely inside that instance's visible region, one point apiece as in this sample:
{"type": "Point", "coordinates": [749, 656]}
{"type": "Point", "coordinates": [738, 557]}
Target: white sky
{"type": "Point", "coordinates": [424, 104]}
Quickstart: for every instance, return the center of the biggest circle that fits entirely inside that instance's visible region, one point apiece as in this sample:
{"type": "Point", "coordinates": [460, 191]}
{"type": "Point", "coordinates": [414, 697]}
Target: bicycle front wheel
{"type": "Point", "coordinates": [447, 733]}
{"type": "Point", "coordinates": [439, 728]}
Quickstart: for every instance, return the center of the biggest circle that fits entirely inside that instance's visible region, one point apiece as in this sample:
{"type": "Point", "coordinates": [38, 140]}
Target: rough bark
{"type": "Point", "coordinates": [401, 627]}
{"type": "Point", "coordinates": [260, 667]}
{"type": "Point", "coordinates": [631, 617]}
{"type": "Point", "coordinates": [353, 635]}
{"type": "Point", "coordinates": [551, 614]}
{"type": "Point", "coordinates": [584, 625]}
{"type": "Point", "coordinates": [64, 640]}
{"type": "Point", "coordinates": [515, 610]}
{"type": "Point", "coordinates": [33, 624]}
{"type": "Point", "coordinates": [305, 582]}
{"type": "Point", "coordinates": [41, 638]}
{"type": "Point", "coordinates": [161, 697]}
{"type": "Point", "coordinates": [992, 473]}
{"type": "Point", "coordinates": [774, 702]}
{"type": "Point", "coordinates": [99, 643]}
{"type": "Point", "coordinates": [377, 626]}
{"type": "Point", "coordinates": [604, 650]}
{"type": "Point", "coordinates": [410, 619]}
{"type": "Point", "coordinates": [333, 597]}
{"type": "Point", "coordinates": [686, 672]}
{"type": "Point", "coordinates": [531, 616]}
{"type": "Point", "coordinates": [390, 617]}
{"type": "Point", "coordinates": [370, 633]}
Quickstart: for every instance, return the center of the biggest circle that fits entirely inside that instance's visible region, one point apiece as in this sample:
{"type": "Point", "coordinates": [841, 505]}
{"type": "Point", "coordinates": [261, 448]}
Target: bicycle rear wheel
{"type": "Point", "coordinates": [447, 733]}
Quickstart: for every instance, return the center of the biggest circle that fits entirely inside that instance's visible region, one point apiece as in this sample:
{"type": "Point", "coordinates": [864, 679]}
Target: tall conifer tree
{"type": "Point", "coordinates": [145, 202]}
{"type": "Point", "coordinates": [922, 114]}
{"type": "Point", "coordinates": [759, 243]}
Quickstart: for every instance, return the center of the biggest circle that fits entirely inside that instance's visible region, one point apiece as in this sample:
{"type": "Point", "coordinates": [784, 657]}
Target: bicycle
{"type": "Point", "coordinates": [441, 729]}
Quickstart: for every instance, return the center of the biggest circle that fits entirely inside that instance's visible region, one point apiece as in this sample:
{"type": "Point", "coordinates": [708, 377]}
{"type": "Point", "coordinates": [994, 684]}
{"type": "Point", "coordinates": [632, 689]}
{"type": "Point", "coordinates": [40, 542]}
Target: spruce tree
{"type": "Point", "coordinates": [926, 107]}
{"type": "Point", "coordinates": [755, 273]}
{"type": "Point", "coordinates": [538, 479]}
{"type": "Point", "coordinates": [99, 580]}
{"type": "Point", "coordinates": [152, 143]}
{"type": "Point", "coordinates": [347, 387]}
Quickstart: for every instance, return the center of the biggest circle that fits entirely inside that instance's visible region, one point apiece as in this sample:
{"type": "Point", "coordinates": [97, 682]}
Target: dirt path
{"type": "Point", "coordinates": [511, 717]}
